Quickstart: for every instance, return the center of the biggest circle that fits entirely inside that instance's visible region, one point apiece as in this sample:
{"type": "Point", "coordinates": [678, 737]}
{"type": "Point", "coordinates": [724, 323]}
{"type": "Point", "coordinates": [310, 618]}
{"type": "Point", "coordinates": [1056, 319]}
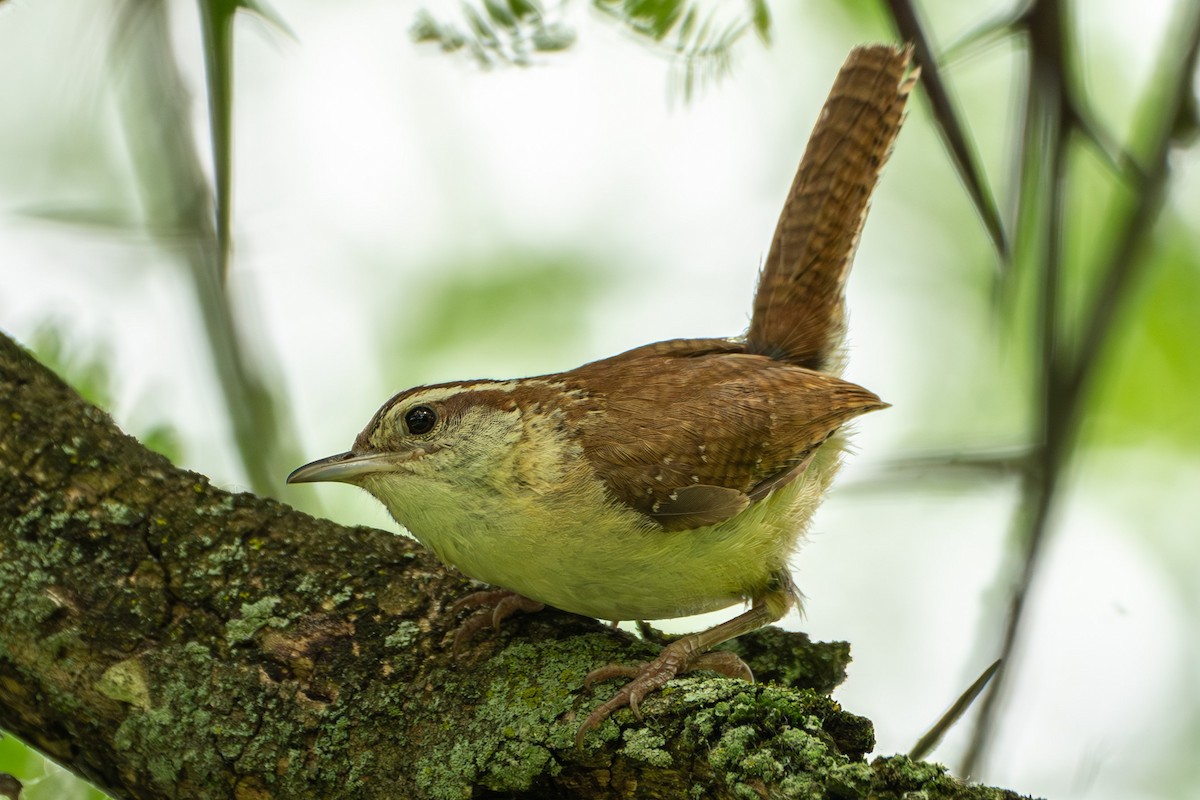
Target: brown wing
{"type": "Point", "coordinates": [693, 444]}
{"type": "Point", "coordinates": [798, 314]}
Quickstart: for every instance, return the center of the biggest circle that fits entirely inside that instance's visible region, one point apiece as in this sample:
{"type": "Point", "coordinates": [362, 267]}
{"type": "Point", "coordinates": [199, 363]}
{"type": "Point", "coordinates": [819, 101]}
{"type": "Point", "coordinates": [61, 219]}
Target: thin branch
{"type": "Point", "coordinates": [992, 31]}
{"type": "Point", "coordinates": [949, 122]}
{"type": "Point", "coordinates": [1039, 488]}
{"type": "Point", "coordinates": [1049, 127]}
{"type": "Point", "coordinates": [933, 736]}
{"type": "Point", "coordinates": [216, 18]}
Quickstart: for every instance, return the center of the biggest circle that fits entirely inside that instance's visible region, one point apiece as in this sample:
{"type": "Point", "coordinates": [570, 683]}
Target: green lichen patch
{"type": "Point", "coordinates": [172, 742]}
{"type": "Point", "coordinates": [746, 757]}
{"type": "Point", "coordinates": [901, 778]}
{"type": "Point", "coordinates": [790, 658]}
{"type": "Point", "coordinates": [255, 616]}
{"type": "Point", "coordinates": [757, 735]}
{"type": "Point", "coordinates": [729, 703]}
{"type": "Point", "coordinates": [510, 742]}
{"type": "Point", "coordinates": [126, 681]}
{"type": "Point", "coordinates": [204, 717]}
{"type": "Point", "coordinates": [645, 745]}
{"type": "Point", "coordinates": [524, 721]}
{"type": "Point", "coordinates": [404, 635]}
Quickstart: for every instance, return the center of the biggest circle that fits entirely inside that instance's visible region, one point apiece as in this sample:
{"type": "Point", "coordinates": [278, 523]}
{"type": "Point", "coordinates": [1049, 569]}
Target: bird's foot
{"type": "Point", "coordinates": [495, 606]}
{"type": "Point", "coordinates": [675, 659]}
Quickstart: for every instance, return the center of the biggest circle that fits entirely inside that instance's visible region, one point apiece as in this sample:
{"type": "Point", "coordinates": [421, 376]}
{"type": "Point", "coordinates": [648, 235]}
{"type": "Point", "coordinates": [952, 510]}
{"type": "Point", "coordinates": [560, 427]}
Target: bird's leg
{"type": "Point", "coordinates": [687, 654]}
{"type": "Point", "coordinates": [496, 605]}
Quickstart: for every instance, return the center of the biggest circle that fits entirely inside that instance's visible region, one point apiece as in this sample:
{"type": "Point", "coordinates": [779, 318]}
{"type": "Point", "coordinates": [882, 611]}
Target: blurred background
{"type": "Point", "coordinates": [241, 229]}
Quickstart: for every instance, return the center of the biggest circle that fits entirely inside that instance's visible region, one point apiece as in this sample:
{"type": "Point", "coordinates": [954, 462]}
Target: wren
{"type": "Point", "coordinates": [672, 479]}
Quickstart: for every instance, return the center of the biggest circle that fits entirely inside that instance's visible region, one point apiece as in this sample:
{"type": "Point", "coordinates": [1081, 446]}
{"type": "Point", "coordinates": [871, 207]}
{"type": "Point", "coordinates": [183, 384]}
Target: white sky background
{"type": "Point", "coordinates": [356, 149]}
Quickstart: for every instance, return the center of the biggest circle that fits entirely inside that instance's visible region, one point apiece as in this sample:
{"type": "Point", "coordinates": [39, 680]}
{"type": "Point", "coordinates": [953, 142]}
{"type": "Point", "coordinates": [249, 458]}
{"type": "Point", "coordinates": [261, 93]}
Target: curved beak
{"type": "Point", "coordinates": [344, 467]}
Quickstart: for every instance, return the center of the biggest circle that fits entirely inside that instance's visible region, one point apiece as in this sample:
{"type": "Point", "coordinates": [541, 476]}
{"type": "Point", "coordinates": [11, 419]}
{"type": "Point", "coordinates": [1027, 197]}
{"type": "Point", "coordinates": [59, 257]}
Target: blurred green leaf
{"type": "Point", "coordinates": [164, 440]}
{"type": "Point", "coordinates": [761, 14]}
{"type": "Point", "coordinates": [17, 759]}
{"type": "Point", "coordinates": [42, 779]}
{"type": "Point", "coordinates": [265, 12]}
{"type": "Point", "coordinates": [425, 28]}
{"type": "Point", "coordinates": [112, 217]}
{"type": "Point", "coordinates": [1150, 378]}
{"type": "Point", "coordinates": [653, 18]}
{"type": "Point", "coordinates": [501, 14]}
{"type": "Point", "coordinates": [87, 369]}
{"type": "Point", "coordinates": [496, 32]}
{"type": "Point", "coordinates": [155, 110]}
{"type": "Point", "coordinates": [698, 35]}
{"type": "Point", "coordinates": [531, 302]}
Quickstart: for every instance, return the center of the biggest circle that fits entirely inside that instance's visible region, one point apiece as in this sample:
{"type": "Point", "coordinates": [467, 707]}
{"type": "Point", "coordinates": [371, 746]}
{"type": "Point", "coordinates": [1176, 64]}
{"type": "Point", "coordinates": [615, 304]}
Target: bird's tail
{"type": "Point", "coordinates": [799, 313]}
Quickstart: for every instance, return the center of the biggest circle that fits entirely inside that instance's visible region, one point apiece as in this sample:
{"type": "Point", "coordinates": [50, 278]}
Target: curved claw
{"type": "Point", "coordinates": [467, 629]}
{"type": "Point", "coordinates": [722, 662]}
{"type": "Point", "coordinates": [675, 659]}
{"type": "Point", "coordinates": [645, 679]}
{"type": "Point", "coordinates": [513, 603]}
{"type": "Point", "coordinates": [497, 605]}
{"type": "Point", "coordinates": [613, 671]}
{"type": "Point", "coordinates": [625, 697]}
{"type": "Point", "coordinates": [484, 597]}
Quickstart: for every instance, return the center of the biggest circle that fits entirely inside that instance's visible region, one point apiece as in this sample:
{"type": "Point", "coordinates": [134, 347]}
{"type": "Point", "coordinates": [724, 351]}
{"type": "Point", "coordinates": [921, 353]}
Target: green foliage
{"type": "Point", "coordinates": [498, 32]}
{"type": "Point", "coordinates": [41, 779]}
{"type": "Point", "coordinates": [87, 368]}
{"type": "Point", "coordinates": [531, 298]}
{"type": "Point", "coordinates": [698, 36]}
{"type": "Point", "coordinates": [1150, 378]}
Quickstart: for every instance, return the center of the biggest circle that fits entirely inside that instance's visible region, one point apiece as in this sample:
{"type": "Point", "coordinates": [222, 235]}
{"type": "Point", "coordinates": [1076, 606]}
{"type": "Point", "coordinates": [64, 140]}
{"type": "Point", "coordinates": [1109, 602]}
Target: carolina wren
{"type": "Point", "coordinates": [672, 479]}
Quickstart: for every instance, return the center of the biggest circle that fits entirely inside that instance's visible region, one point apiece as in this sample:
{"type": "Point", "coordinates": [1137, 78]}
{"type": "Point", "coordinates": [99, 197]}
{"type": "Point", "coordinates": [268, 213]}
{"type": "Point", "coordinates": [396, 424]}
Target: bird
{"type": "Point", "coordinates": [675, 478]}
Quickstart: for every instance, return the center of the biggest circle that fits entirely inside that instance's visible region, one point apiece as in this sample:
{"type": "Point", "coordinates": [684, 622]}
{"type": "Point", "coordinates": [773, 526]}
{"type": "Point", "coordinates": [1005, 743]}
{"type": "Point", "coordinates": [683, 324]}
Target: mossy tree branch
{"type": "Point", "coordinates": [164, 638]}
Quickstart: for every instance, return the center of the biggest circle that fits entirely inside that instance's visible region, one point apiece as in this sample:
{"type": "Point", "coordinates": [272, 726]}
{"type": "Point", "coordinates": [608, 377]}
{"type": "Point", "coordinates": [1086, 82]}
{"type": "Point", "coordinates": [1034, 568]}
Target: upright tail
{"type": "Point", "coordinates": [799, 313]}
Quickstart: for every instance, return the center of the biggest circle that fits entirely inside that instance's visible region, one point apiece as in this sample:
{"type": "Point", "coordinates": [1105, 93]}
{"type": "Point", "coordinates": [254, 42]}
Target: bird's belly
{"type": "Point", "coordinates": [612, 566]}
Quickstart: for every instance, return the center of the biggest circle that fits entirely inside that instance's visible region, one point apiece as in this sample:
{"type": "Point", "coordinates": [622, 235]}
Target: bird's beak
{"type": "Point", "coordinates": [344, 467]}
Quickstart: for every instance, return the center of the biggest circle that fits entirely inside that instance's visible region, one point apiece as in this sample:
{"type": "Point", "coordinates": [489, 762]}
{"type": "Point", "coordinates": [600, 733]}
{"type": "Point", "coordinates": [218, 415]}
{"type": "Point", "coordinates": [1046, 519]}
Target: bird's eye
{"type": "Point", "coordinates": [420, 420]}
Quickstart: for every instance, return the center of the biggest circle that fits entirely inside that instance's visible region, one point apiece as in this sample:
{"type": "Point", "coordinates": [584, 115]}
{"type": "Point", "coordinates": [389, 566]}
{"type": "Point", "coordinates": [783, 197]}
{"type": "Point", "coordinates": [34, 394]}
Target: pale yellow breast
{"type": "Point", "coordinates": [565, 544]}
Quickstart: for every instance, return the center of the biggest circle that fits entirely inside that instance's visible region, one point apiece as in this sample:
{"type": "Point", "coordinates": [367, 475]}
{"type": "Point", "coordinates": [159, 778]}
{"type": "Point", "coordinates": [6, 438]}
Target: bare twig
{"type": "Point", "coordinates": [216, 18]}
{"type": "Point", "coordinates": [962, 152]}
{"type": "Point", "coordinates": [933, 736]}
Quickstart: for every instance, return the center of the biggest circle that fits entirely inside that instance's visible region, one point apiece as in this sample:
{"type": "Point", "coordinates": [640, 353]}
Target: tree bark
{"type": "Point", "coordinates": [167, 639]}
